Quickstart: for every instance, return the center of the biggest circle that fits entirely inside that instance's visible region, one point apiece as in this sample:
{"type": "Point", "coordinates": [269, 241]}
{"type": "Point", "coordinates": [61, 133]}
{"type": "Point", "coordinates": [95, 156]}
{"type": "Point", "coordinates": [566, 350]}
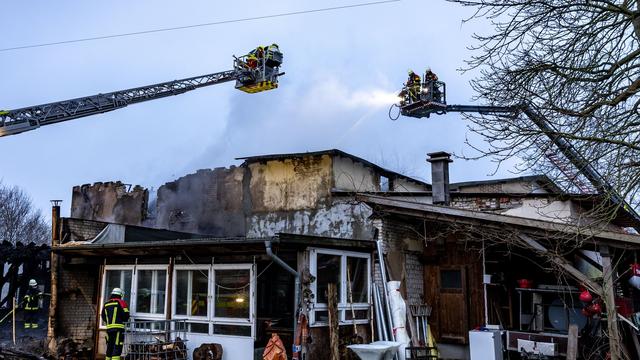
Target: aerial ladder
{"type": "Point", "coordinates": [254, 72]}
{"type": "Point", "coordinates": [429, 97]}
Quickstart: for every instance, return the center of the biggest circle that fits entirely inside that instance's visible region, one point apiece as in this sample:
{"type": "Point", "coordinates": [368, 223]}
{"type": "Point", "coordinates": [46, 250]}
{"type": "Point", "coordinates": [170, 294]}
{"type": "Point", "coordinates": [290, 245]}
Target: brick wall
{"type": "Point", "coordinates": [110, 201]}
{"type": "Point", "coordinates": [80, 230]}
{"type": "Point", "coordinates": [76, 309]}
{"type": "Point", "coordinates": [403, 247]}
{"type": "Point", "coordinates": [486, 203]}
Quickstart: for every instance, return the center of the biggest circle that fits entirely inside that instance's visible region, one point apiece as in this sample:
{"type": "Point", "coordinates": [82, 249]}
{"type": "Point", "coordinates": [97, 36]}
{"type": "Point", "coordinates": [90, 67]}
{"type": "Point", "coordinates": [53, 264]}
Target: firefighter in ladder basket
{"type": "Point", "coordinates": [413, 85]}
{"type": "Point", "coordinates": [115, 314]}
{"type": "Point", "coordinates": [431, 86]}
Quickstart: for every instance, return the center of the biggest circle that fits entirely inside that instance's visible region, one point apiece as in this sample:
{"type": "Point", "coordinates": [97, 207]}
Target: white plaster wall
{"type": "Point", "coordinates": [400, 185]}
{"type": "Point", "coordinates": [351, 176]}
{"type": "Point", "coordinates": [542, 209]}
{"type": "Point", "coordinates": [340, 220]}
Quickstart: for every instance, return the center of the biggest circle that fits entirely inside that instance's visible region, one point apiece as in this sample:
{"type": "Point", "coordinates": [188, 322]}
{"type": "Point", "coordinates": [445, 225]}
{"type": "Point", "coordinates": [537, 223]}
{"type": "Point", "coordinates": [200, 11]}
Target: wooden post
{"type": "Point", "coordinates": [53, 302]}
{"type": "Point", "coordinates": [572, 342]}
{"type": "Point", "coordinates": [14, 320]}
{"type": "Point", "coordinates": [334, 341]}
{"type": "Point", "coordinates": [609, 300]}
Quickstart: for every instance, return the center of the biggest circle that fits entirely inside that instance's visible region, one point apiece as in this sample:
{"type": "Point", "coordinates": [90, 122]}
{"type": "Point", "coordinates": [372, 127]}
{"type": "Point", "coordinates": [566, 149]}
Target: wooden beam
{"type": "Point", "coordinates": [572, 342]}
{"type": "Point", "coordinates": [334, 339]}
{"type": "Point", "coordinates": [609, 299]}
{"type": "Point", "coordinates": [561, 262]}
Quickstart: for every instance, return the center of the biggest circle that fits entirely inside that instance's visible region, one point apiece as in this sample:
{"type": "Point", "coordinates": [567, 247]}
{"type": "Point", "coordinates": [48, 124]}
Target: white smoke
{"type": "Point", "coordinates": [337, 95]}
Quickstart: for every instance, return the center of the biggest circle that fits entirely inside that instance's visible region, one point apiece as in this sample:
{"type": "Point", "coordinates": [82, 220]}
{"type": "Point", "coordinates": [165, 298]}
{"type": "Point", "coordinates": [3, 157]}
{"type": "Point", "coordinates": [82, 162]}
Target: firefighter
{"type": "Point", "coordinates": [31, 303]}
{"type": "Point", "coordinates": [431, 84]}
{"type": "Point", "coordinates": [252, 61]}
{"type": "Point", "coordinates": [114, 314]}
{"type": "Point", "coordinates": [413, 85]}
{"type": "Point", "coordinates": [430, 75]}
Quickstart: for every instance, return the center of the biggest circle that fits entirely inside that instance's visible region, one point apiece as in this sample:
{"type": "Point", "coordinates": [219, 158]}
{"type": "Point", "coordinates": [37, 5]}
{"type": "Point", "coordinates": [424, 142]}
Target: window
{"type": "Point", "coordinates": [451, 279]}
{"type": "Point", "coordinates": [117, 278]}
{"type": "Point", "coordinates": [192, 291]}
{"type": "Point", "coordinates": [220, 295]}
{"type": "Point", "coordinates": [350, 271]}
{"type": "Point", "coordinates": [150, 291]}
{"type": "Point", "coordinates": [144, 288]}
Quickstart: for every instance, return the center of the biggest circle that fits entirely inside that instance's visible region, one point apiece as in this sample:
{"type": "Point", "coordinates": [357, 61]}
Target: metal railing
{"type": "Point", "coordinates": [155, 339]}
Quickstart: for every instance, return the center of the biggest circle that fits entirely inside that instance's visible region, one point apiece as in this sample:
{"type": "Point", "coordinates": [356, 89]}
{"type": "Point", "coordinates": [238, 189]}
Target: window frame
{"type": "Point", "coordinates": [210, 319]}
{"type": "Point", "coordinates": [343, 302]}
{"type": "Point", "coordinates": [134, 293]}
{"type": "Point", "coordinates": [103, 295]}
{"type": "Point", "coordinates": [174, 292]}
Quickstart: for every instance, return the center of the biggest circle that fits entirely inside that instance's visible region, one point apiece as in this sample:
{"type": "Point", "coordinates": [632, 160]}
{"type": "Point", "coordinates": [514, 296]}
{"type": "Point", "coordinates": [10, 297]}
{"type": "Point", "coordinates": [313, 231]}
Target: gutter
{"type": "Point", "coordinates": [296, 296]}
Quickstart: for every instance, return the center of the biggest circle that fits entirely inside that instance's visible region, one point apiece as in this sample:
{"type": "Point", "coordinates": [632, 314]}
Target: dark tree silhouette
{"type": "Point", "coordinates": [577, 63]}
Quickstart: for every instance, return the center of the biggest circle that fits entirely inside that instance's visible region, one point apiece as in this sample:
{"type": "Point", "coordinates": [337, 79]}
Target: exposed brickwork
{"type": "Point", "coordinates": [76, 309]}
{"type": "Point", "coordinates": [111, 202]}
{"type": "Point", "coordinates": [486, 203]}
{"type": "Point", "coordinates": [399, 237]}
{"type": "Point", "coordinates": [80, 229]}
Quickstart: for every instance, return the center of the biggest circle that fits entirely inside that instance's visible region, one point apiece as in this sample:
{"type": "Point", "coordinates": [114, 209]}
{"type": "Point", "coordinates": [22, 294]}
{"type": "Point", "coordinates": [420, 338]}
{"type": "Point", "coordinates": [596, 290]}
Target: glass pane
{"type": "Point", "coordinates": [357, 273]}
{"type": "Point", "coordinates": [451, 279]}
{"type": "Point", "coordinates": [322, 316]}
{"type": "Point", "coordinates": [328, 271]}
{"type": "Point", "coordinates": [235, 330]}
{"type": "Point", "coordinates": [182, 283]}
{"type": "Point", "coordinates": [118, 279]}
{"type": "Point", "coordinates": [161, 284]}
{"type": "Point", "coordinates": [125, 284]}
{"type": "Point", "coordinates": [143, 293]}
{"type": "Point", "coordinates": [358, 314]}
{"type": "Point", "coordinates": [199, 290]}
{"type": "Point", "coordinates": [232, 293]}
{"type": "Point", "coordinates": [199, 328]}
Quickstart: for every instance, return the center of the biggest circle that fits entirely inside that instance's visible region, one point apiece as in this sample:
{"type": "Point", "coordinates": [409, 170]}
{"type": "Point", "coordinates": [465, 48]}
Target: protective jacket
{"type": "Point", "coordinates": [115, 313]}
{"type": "Point", "coordinates": [32, 299]}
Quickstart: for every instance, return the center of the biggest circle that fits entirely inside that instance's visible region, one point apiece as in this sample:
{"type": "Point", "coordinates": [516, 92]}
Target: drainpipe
{"type": "Point", "coordinates": [296, 296]}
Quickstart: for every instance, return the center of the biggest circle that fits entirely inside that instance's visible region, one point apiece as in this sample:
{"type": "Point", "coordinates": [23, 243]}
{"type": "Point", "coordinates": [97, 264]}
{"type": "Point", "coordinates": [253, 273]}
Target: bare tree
{"type": "Point", "coordinates": [575, 62]}
{"type": "Point", "coordinates": [20, 221]}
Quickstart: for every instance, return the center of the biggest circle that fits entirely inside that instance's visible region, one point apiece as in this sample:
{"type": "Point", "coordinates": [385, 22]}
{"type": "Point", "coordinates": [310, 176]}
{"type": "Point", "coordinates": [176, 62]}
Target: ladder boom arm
{"type": "Point", "coordinates": [565, 147]}
{"type": "Point", "coordinates": [29, 118]}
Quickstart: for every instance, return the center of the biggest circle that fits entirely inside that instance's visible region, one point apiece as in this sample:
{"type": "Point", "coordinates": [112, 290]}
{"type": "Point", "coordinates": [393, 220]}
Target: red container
{"type": "Point", "coordinates": [624, 307]}
{"type": "Point", "coordinates": [525, 284]}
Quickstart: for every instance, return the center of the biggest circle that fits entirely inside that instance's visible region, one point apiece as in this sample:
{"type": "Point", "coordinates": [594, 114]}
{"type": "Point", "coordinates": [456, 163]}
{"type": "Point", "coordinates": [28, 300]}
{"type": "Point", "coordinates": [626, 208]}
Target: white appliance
{"type": "Point", "coordinates": [485, 345]}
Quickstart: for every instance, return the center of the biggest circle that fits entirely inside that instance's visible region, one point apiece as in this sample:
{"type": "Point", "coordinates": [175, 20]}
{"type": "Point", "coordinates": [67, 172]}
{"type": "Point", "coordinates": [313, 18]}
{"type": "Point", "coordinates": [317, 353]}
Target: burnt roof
{"type": "Point", "coordinates": [331, 152]}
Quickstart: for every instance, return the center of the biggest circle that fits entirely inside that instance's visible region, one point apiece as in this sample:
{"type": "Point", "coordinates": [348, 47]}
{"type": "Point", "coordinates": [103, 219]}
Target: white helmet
{"type": "Point", "coordinates": [428, 69]}
{"type": "Point", "coordinates": [33, 282]}
{"type": "Point", "coordinates": [117, 291]}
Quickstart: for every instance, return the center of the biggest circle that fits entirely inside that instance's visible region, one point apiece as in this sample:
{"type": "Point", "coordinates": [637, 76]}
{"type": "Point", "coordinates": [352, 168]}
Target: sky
{"type": "Point", "coordinates": [343, 69]}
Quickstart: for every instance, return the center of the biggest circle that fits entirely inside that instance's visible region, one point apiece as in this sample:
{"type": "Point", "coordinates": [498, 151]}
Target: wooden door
{"type": "Point", "coordinates": [449, 295]}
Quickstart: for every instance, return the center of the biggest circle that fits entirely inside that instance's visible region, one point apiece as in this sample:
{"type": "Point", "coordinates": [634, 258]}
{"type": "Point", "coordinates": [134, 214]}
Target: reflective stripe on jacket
{"type": "Point", "coordinates": [115, 313]}
{"type": "Point", "coordinates": [32, 299]}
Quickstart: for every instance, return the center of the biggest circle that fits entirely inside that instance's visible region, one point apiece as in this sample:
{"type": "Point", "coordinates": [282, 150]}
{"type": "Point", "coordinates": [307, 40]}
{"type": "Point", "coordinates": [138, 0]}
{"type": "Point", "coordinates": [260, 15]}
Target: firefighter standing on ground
{"type": "Point", "coordinates": [31, 303]}
{"type": "Point", "coordinates": [114, 314]}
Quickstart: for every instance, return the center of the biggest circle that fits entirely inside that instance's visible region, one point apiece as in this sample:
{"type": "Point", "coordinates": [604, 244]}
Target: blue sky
{"type": "Point", "coordinates": [342, 67]}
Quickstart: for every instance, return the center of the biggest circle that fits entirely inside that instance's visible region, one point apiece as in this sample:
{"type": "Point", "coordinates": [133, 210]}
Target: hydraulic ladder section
{"type": "Point", "coordinates": [30, 118]}
{"type": "Point", "coordinates": [431, 102]}
{"type": "Point", "coordinates": [248, 78]}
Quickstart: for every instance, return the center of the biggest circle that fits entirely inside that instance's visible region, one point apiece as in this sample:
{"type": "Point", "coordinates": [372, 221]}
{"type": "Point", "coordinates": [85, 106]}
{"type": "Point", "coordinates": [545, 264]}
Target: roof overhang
{"type": "Point", "coordinates": [533, 226]}
{"type": "Point", "coordinates": [229, 245]}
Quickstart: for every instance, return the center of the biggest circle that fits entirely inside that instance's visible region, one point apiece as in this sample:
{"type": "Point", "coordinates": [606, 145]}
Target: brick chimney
{"type": "Point", "coordinates": [440, 177]}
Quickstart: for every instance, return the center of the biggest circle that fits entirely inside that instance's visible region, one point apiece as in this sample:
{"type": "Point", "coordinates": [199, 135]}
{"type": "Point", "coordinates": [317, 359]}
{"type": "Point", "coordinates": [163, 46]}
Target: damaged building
{"type": "Point", "coordinates": [231, 255]}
